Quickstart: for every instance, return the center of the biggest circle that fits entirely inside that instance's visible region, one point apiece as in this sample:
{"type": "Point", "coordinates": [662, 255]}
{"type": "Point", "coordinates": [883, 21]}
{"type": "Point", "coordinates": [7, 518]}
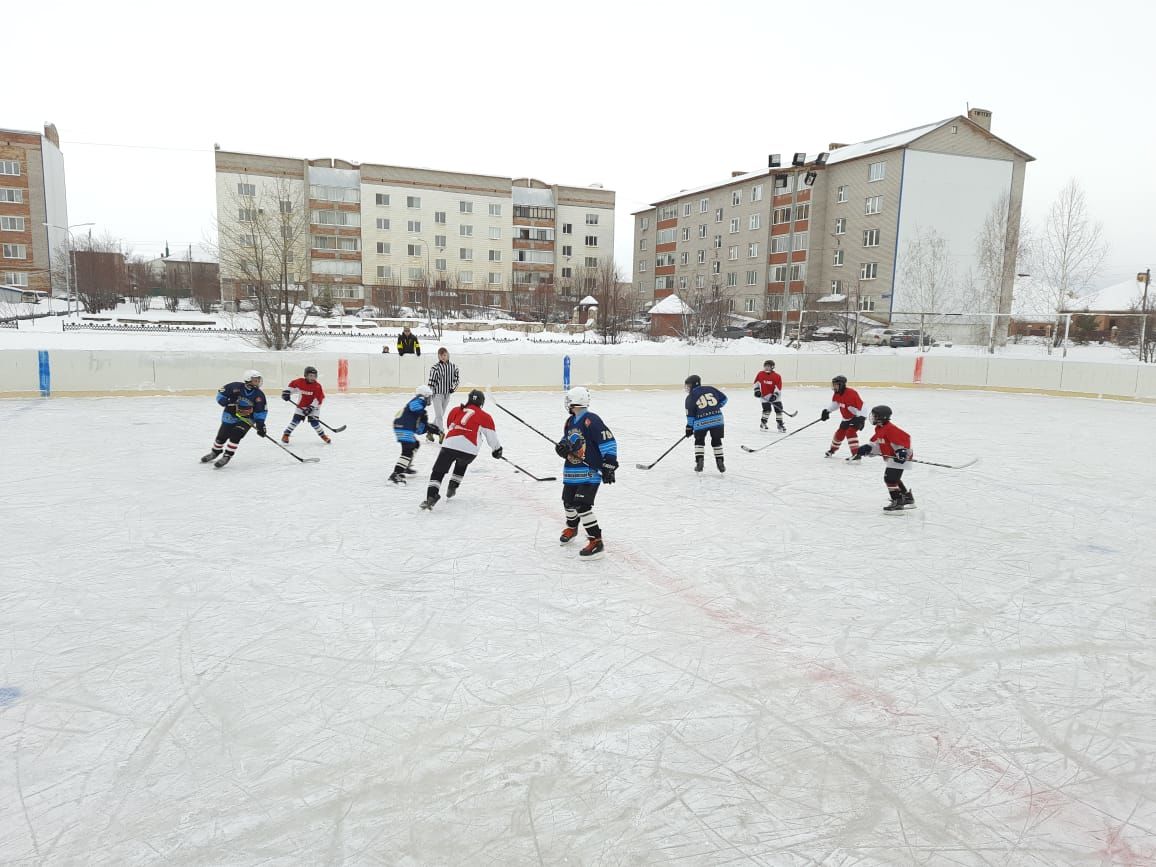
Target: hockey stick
{"type": "Point", "coordinates": [780, 439]}
{"type": "Point", "coordinates": [323, 424]}
{"type": "Point", "coordinates": [523, 421]}
{"type": "Point", "coordinates": [303, 460]}
{"type": "Point", "coordinates": [528, 473]}
{"type": "Point", "coordinates": [962, 466]}
{"type": "Point", "coordinates": [661, 456]}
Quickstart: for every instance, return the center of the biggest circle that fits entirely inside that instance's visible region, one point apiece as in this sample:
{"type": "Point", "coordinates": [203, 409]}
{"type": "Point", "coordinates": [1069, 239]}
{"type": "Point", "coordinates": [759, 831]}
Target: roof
{"type": "Point", "coordinates": [1115, 298]}
{"type": "Point", "coordinates": [885, 143]}
{"type": "Point", "coordinates": [589, 301]}
{"type": "Point", "coordinates": [831, 299]}
{"type": "Point", "coordinates": [671, 305]}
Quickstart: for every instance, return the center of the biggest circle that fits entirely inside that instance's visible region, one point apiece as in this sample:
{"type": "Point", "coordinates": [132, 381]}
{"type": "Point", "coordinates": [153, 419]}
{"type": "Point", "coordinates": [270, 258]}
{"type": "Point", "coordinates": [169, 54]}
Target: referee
{"type": "Point", "coordinates": [443, 381]}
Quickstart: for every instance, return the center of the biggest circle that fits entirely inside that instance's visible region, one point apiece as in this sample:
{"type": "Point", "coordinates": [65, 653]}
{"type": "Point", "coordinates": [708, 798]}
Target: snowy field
{"type": "Point", "coordinates": [278, 663]}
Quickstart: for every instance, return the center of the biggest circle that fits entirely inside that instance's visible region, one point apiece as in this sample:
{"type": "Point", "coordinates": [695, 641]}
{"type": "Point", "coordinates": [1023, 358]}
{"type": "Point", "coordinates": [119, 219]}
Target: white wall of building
{"type": "Point", "coordinates": [55, 205]}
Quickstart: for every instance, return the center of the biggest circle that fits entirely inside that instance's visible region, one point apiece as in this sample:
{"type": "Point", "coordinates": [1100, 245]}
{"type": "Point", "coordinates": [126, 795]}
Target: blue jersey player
{"type": "Point", "coordinates": [244, 407]}
{"type": "Point", "coordinates": [591, 454]}
{"type": "Point", "coordinates": [704, 405]}
{"type": "Point", "coordinates": [411, 422]}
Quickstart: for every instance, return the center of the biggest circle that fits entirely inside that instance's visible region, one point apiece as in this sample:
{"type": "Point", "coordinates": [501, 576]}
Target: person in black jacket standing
{"type": "Point", "coordinates": [407, 343]}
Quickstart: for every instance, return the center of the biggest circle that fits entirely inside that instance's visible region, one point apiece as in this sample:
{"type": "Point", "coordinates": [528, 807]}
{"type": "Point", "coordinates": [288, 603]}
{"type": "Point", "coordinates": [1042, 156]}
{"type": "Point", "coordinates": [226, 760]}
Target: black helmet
{"type": "Point", "coordinates": [770, 362]}
{"type": "Point", "coordinates": [880, 415]}
{"type": "Point", "coordinates": [476, 398]}
{"type": "Point", "coordinates": [311, 369]}
{"type": "Point", "coordinates": [692, 381]}
{"type": "Point", "coordinates": [839, 382]}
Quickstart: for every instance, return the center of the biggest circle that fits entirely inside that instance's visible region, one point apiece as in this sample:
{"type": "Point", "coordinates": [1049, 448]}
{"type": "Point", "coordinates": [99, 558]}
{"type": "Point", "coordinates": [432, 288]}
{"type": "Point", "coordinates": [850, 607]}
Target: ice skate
{"type": "Point", "coordinates": [722, 468]}
{"type": "Point", "coordinates": [828, 453]}
{"type": "Point", "coordinates": [325, 438]}
{"type": "Point", "coordinates": [222, 460]}
{"type": "Point", "coordinates": [594, 548]}
{"type": "Point", "coordinates": [782, 427]}
{"type": "Point", "coordinates": [698, 464]}
{"type": "Point", "coordinates": [568, 534]}
{"type": "Point", "coordinates": [763, 425]}
{"type": "Point", "coordinates": [211, 456]}
{"type": "Point", "coordinates": [410, 471]}
{"type": "Point", "coordinates": [451, 489]}
{"type": "Point", "coordinates": [430, 501]}
{"type": "Point", "coordinates": [397, 478]}
{"type": "Point", "coordinates": [285, 438]}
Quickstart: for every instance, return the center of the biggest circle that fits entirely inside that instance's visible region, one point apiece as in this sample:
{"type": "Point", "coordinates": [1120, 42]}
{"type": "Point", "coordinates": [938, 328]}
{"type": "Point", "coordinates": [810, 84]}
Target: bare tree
{"type": "Point", "coordinates": [264, 251]}
{"type": "Point", "coordinates": [1003, 248]}
{"type": "Point", "coordinates": [1070, 250]}
{"type": "Point", "coordinates": [610, 292]}
{"type": "Point", "coordinates": [927, 278]}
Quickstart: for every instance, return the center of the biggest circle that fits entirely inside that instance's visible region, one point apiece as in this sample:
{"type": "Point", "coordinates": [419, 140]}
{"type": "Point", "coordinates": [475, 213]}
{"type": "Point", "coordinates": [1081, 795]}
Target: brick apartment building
{"type": "Point", "coordinates": [380, 235]}
{"type": "Point", "coordinates": [831, 229]}
{"type": "Point", "coordinates": [32, 194]}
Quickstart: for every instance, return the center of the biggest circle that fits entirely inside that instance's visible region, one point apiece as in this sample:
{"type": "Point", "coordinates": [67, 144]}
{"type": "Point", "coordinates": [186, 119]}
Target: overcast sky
{"type": "Point", "coordinates": [644, 98]}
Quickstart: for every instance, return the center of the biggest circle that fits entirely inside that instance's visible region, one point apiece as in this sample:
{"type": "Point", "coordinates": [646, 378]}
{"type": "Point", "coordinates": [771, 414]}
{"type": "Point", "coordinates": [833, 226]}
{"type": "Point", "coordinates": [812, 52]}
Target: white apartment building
{"type": "Point", "coordinates": [382, 235]}
{"type": "Point", "coordinates": [836, 229]}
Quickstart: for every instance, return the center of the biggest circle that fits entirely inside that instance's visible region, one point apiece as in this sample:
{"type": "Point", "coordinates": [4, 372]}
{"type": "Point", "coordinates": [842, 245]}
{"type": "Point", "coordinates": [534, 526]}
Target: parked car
{"type": "Point", "coordinates": [877, 336]}
{"type": "Point", "coordinates": [367, 313]}
{"type": "Point", "coordinates": [828, 332]}
{"type": "Point", "coordinates": [765, 330]}
{"type": "Point", "coordinates": [909, 338]}
{"type": "Point", "coordinates": [730, 332]}
{"type": "Point", "coordinates": [637, 323]}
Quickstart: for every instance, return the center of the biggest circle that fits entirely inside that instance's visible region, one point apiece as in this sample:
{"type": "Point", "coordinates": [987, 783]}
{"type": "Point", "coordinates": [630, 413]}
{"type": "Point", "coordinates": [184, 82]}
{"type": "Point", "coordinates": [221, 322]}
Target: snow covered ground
{"type": "Point", "coordinates": [287, 663]}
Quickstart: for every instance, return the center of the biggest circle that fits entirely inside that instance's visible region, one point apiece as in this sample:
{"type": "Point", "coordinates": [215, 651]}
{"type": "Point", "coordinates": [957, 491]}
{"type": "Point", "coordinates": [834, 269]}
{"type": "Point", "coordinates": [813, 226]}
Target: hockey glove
{"type": "Point", "coordinates": [824, 415]}
{"type": "Point", "coordinates": [900, 456]}
{"type": "Point", "coordinates": [231, 408]}
{"type": "Point", "coordinates": [307, 410]}
{"type": "Point", "coordinates": [608, 471]}
{"type": "Point", "coordinates": [260, 428]}
{"type": "Point", "coordinates": [863, 451]}
{"type": "Point", "coordinates": [758, 391]}
{"type": "Point", "coordinates": [497, 453]}
{"type": "Point", "coordinates": [562, 448]}
{"type": "Point", "coordinates": [689, 432]}
{"type": "Point", "coordinates": [433, 429]}
{"type": "Point", "coordinates": [285, 395]}
{"type": "Point", "coordinates": [859, 422]}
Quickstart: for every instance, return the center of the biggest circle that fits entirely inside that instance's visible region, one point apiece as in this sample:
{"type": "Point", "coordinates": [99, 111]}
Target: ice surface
{"type": "Point", "coordinates": [292, 664]}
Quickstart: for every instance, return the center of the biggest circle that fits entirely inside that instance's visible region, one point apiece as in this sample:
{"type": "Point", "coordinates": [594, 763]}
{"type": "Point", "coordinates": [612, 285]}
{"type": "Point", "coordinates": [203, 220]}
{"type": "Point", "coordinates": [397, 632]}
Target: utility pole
{"type": "Point", "coordinates": [1146, 279]}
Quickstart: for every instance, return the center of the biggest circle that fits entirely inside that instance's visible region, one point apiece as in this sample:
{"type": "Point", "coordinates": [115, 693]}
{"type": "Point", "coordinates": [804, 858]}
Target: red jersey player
{"type": "Point", "coordinates": [850, 406]}
{"type": "Point", "coordinates": [893, 444]}
{"type": "Point", "coordinates": [769, 389]}
{"type": "Point", "coordinates": [310, 396]}
{"type": "Point", "coordinates": [460, 446]}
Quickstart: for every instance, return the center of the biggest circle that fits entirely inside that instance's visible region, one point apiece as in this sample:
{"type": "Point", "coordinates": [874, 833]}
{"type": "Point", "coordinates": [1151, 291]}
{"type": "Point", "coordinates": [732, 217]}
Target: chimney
{"type": "Point", "coordinates": [51, 134]}
{"type": "Point", "coordinates": [737, 174]}
{"type": "Point", "coordinates": [835, 145]}
{"type": "Point", "coordinates": [980, 117]}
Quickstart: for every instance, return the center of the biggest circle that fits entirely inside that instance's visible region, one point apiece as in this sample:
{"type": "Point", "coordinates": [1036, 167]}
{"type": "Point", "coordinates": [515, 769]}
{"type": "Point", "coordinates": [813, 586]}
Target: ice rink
{"type": "Point", "coordinates": [278, 663]}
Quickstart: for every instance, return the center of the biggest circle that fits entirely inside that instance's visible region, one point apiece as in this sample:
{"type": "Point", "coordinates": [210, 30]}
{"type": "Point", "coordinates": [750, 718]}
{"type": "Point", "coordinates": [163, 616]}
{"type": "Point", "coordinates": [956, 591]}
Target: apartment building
{"type": "Point", "coordinates": [33, 211]}
{"type": "Point", "coordinates": [379, 235]}
{"type": "Point", "coordinates": [834, 229]}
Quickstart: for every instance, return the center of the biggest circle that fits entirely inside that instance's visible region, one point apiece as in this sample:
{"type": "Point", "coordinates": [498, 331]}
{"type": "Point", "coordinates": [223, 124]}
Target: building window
{"type": "Point", "coordinates": [803, 211]}
{"type": "Point", "coordinates": [384, 272]}
{"type": "Point", "coordinates": [413, 249]}
{"type": "Point", "coordinates": [684, 257]}
{"type": "Point", "coordinates": [752, 251]}
{"type": "Point", "coordinates": [732, 279]}
{"type": "Point", "coordinates": [641, 265]}
{"type": "Point", "coordinates": [641, 246]}
{"type": "Point", "coordinates": [567, 250]}
{"type": "Point", "coordinates": [243, 189]}
{"type": "Point", "coordinates": [686, 233]}
{"type": "Point", "coordinates": [736, 197]}
{"type": "Point", "coordinates": [413, 226]}
{"type": "Point", "coordinates": [643, 223]}
{"type": "Point", "coordinates": [702, 230]}
{"type": "Point", "coordinates": [465, 254]}
{"type": "Point", "coordinates": [774, 303]}
{"type": "Point", "coordinates": [870, 237]}
{"type": "Point", "coordinates": [703, 206]}
{"type": "Point", "coordinates": [757, 193]}
{"type": "Point", "coordinates": [802, 240]}
{"type": "Point", "coordinates": [869, 271]}
{"type": "Point", "coordinates": [780, 243]}
{"type": "Point", "coordinates": [569, 272]}
{"type": "Point", "coordinates": [246, 215]}
{"type": "Point", "coordinates": [667, 212]}
{"type": "Point", "coordinates": [592, 240]}
{"type": "Point", "coordinates": [718, 216]}
{"type": "Point", "coordinates": [734, 224]}
{"type": "Point", "coordinates": [841, 194]}
{"type": "Point", "coordinates": [591, 219]}
{"type": "Point", "coordinates": [567, 228]}
{"type": "Point", "coordinates": [336, 218]}
{"type": "Point", "coordinates": [837, 260]}
{"type": "Point", "coordinates": [439, 240]}
{"type": "Point", "coordinates": [383, 224]}
{"type": "Point", "coordinates": [382, 199]}
{"type": "Point", "coordinates": [413, 201]}
{"type": "Point", "coordinates": [15, 251]}
{"type": "Point", "coordinates": [495, 233]}
{"type": "Point", "coordinates": [867, 303]}
{"type": "Point", "coordinates": [718, 242]}
{"type": "Point", "coordinates": [686, 209]}
{"type": "Point", "coordinates": [876, 172]}
{"type": "Point", "coordinates": [702, 257]}
{"type": "Point", "coordinates": [440, 217]}
{"type": "Point", "coordinates": [466, 276]}
{"type": "Point", "coordinates": [779, 274]}
{"type": "Point", "coordinates": [495, 210]}
{"type": "Point", "coordinates": [733, 252]}
{"type": "Point", "coordinates": [873, 205]}
{"type": "Point", "coordinates": [495, 278]}
{"type": "Point", "coordinates": [12, 224]}
{"type": "Point", "coordinates": [495, 255]}
{"type": "Point", "coordinates": [798, 272]}
{"type": "Point", "coordinates": [11, 194]}
{"type": "Point", "coordinates": [592, 261]}
{"type": "Point", "coordinates": [439, 264]}
{"type": "Point", "coordinates": [466, 231]}
{"type": "Point", "coordinates": [465, 207]}
{"type": "Point", "coordinates": [836, 287]}
{"type": "Point", "coordinates": [752, 278]}
{"type": "Point", "coordinates": [840, 225]}
{"type": "Point", "coordinates": [14, 278]}
{"type": "Point", "coordinates": [756, 220]}
{"type": "Point", "coordinates": [415, 274]}
{"type": "Point", "coordinates": [780, 216]}
{"type": "Point", "coordinates": [749, 305]}
{"type": "Point", "coordinates": [383, 248]}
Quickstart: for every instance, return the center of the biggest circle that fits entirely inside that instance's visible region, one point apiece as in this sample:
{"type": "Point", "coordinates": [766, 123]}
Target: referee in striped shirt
{"type": "Point", "coordinates": [443, 381]}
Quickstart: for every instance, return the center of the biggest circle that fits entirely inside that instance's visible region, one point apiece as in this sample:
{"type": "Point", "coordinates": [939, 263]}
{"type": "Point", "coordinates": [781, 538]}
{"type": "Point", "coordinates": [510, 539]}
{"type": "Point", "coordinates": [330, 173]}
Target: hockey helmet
{"type": "Point", "coordinates": [880, 415]}
{"type": "Point", "coordinates": [476, 398]}
{"type": "Point", "coordinates": [251, 375]}
{"type": "Point", "coordinates": [839, 382]}
{"type": "Point", "coordinates": [769, 364]}
{"type": "Point", "coordinates": [692, 382]}
{"type": "Point", "coordinates": [424, 391]}
{"type": "Point", "coordinates": [579, 395]}
{"type": "Point", "coordinates": [311, 369]}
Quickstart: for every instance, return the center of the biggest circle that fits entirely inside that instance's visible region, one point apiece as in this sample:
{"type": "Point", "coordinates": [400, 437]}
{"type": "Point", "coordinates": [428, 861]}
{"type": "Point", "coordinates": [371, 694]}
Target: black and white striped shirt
{"type": "Point", "coordinates": [443, 377]}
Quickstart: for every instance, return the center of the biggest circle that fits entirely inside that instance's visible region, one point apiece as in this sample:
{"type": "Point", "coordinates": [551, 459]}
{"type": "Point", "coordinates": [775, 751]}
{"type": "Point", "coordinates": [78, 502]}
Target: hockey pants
{"type": "Point", "coordinates": [445, 459]}
{"type": "Point", "coordinates": [578, 501]}
{"type": "Point", "coordinates": [716, 438]}
{"type": "Point", "coordinates": [229, 436]}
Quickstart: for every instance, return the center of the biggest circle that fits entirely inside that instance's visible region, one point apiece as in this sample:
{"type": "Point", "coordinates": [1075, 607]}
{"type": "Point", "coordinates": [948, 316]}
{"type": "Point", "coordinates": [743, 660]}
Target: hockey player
{"type": "Point", "coordinates": [704, 405]}
{"type": "Point", "coordinates": [591, 455]}
{"type": "Point", "coordinates": [893, 444]}
{"type": "Point", "coordinates": [410, 422]}
{"type": "Point", "coordinates": [769, 389]}
{"type": "Point", "coordinates": [443, 380]}
{"type": "Point", "coordinates": [460, 445]}
{"type": "Point", "coordinates": [310, 396]}
{"type": "Point", "coordinates": [850, 406]}
{"type": "Point", "coordinates": [244, 407]}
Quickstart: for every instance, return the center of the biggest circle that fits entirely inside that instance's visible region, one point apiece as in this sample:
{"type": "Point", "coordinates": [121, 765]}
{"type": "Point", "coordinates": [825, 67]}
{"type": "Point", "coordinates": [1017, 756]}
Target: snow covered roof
{"type": "Point", "coordinates": [830, 299]}
{"type": "Point", "coordinates": [1115, 298]}
{"type": "Point", "coordinates": [588, 301]}
{"type": "Point", "coordinates": [887, 142]}
{"type": "Point", "coordinates": [671, 305]}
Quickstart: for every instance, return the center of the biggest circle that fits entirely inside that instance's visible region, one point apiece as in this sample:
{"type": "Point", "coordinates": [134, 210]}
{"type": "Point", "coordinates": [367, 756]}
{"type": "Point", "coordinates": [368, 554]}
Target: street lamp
{"type": "Point", "coordinates": [71, 260]}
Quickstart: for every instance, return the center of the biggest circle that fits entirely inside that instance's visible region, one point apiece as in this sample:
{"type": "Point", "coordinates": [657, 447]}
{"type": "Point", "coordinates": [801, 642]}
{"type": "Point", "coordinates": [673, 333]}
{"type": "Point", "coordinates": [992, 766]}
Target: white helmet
{"type": "Point", "coordinates": [250, 375]}
{"type": "Point", "coordinates": [578, 396]}
{"type": "Point", "coordinates": [424, 391]}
